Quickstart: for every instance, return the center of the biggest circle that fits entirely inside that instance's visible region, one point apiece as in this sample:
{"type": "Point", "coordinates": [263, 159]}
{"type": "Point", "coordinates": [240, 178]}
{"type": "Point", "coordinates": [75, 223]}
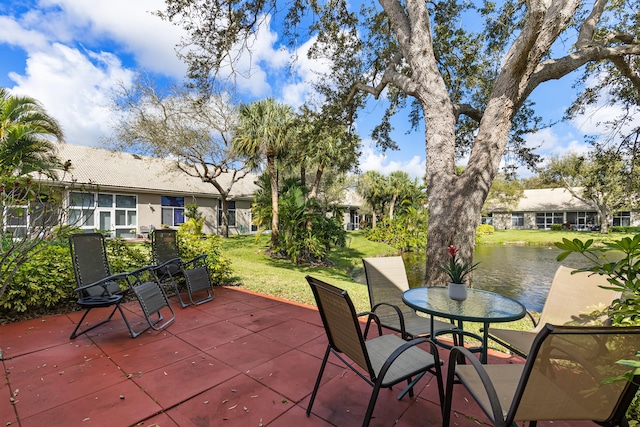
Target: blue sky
{"type": "Point", "coordinates": [69, 54]}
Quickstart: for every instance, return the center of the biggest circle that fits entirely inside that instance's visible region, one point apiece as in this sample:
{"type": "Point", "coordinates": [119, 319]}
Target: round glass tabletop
{"type": "Point", "coordinates": [480, 306]}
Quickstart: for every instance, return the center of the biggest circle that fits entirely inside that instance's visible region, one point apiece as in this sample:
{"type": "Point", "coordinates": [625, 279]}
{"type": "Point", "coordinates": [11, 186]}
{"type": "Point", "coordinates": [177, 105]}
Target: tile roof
{"type": "Point", "coordinates": [120, 170]}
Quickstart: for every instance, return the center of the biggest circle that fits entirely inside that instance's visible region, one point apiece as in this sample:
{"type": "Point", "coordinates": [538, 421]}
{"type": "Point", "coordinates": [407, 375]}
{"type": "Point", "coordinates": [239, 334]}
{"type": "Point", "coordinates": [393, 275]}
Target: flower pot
{"type": "Point", "coordinates": [458, 291]}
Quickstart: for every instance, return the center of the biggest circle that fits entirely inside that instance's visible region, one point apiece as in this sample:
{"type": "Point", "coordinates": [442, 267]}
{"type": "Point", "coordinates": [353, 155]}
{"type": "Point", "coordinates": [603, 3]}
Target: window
{"type": "Point", "coordinates": [116, 213]}
{"type": "Point", "coordinates": [231, 208]}
{"type": "Point", "coordinates": [126, 216]}
{"type": "Point", "coordinates": [544, 220]}
{"type": "Point", "coordinates": [582, 220]}
{"type": "Point", "coordinates": [172, 210]}
{"type": "Point", "coordinates": [81, 209]}
{"type": "Point", "coordinates": [517, 219]}
{"type": "Point", "coordinates": [17, 221]}
{"type": "Point", "coordinates": [488, 219]}
{"type": "Point", "coordinates": [622, 219]}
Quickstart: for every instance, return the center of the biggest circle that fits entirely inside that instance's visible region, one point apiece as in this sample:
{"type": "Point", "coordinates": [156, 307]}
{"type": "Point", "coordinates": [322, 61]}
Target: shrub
{"type": "Point", "coordinates": [125, 256]}
{"type": "Point", "coordinates": [485, 229]}
{"type": "Point", "coordinates": [406, 232]}
{"type": "Point", "coordinates": [556, 227]}
{"type": "Point", "coordinates": [45, 279]}
{"type": "Point", "coordinates": [623, 229]}
{"type": "Point", "coordinates": [192, 245]}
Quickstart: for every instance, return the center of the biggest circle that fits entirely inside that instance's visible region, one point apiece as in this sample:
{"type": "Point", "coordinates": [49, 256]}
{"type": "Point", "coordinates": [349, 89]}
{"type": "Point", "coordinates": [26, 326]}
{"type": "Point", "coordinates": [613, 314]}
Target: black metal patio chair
{"type": "Point", "coordinates": [382, 361]}
{"type": "Point", "coordinates": [193, 275]}
{"type": "Point", "coordinates": [572, 373]}
{"type": "Point", "coordinates": [98, 288]}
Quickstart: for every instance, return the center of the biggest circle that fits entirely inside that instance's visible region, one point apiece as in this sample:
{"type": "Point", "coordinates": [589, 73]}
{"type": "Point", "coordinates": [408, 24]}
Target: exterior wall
{"type": "Point", "coordinates": [243, 218]}
{"type": "Point", "coordinates": [502, 221]}
{"type": "Point", "coordinates": [149, 213]}
{"type": "Point", "coordinates": [208, 207]}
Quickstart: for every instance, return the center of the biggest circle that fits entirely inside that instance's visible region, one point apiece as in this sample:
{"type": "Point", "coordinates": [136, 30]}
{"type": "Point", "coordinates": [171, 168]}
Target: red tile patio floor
{"type": "Point", "coordinates": [241, 360]}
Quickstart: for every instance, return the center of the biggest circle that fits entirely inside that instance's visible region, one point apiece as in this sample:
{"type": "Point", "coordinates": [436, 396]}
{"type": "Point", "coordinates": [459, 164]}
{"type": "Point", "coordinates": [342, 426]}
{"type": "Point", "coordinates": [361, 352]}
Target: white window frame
{"type": "Point", "coordinates": [123, 216]}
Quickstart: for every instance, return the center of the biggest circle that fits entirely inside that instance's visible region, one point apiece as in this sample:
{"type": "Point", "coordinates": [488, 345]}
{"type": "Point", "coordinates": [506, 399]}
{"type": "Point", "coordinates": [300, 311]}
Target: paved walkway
{"type": "Point", "coordinates": [242, 359]}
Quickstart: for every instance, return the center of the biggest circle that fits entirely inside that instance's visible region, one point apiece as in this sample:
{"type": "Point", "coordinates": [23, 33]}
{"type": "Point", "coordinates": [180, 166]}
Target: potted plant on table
{"type": "Point", "coordinates": [457, 272]}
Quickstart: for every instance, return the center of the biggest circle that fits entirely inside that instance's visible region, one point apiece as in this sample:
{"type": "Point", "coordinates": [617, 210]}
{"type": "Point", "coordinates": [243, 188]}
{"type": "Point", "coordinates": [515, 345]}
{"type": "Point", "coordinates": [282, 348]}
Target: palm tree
{"type": "Point", "coordinates": [371, 187]}
{"type": "Point", "coordinates": [264, 133]}
{"type": "Point", "coordinates": [27, 136]}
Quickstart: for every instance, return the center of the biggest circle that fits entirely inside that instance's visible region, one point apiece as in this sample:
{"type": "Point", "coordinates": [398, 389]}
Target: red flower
{"type": "Point", "coordinates": [453, 251]}
{"type": "Point", "coordinates": [456, 269]}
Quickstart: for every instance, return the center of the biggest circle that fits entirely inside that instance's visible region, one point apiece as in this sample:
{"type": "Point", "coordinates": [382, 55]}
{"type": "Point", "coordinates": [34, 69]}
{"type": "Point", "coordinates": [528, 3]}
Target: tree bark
{"type": "Point", "coordinates": [271, 166]}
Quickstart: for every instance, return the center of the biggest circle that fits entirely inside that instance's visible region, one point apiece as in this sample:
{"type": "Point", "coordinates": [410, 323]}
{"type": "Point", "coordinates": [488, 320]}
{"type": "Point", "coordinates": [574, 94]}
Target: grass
{"type": "Point", "coordinates": [258, 272]}
{"type": "Point", "coordinates": [544, 237]}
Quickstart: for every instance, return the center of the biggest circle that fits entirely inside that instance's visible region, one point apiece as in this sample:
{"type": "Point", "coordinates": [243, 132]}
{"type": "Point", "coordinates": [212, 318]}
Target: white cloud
{"type": "Point", "coordinates": [11, 32]}
{"type": "Point", "coordinates": [372, 159]}
{"type": "Point", "coordinates": [132, 26]}
{"type": "Point", "coordinates": [74, 87]}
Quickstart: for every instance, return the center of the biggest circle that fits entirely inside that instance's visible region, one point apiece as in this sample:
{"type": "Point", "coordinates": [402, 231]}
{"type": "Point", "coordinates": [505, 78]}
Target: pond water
{"type": "Point", "coordinates": [523, 273]}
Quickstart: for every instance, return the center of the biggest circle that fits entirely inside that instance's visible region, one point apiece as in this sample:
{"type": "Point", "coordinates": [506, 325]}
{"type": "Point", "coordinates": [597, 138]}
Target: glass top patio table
{"type": "Point", "coordinates": [480, 306]}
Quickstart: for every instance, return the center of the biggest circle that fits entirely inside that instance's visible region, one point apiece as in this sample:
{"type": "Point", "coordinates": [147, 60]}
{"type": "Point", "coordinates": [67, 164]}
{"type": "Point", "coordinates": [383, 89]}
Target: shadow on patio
{"type": "Point", "coordinates": [241, 360]}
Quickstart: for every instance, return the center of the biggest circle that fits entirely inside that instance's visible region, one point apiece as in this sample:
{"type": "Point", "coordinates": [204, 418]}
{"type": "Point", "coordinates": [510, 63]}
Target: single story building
{"type": "Point", "coordinates": [541, 208]}
{"type": "Point", "coordinates": [131, 195]}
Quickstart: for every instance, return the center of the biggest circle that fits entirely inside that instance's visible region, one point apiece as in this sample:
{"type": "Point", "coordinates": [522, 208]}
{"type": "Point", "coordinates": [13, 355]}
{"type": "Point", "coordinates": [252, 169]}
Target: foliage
{"type": "Point", "coordinates": [619, 260]}
{"type": "Point", "coordinates": [504, 194]}
{"type": "Point", "coordinates": [195, 220]}
{"type": "Point", "coordinates": [371, 187]}
{"type": "Point", "coordinates": [623, 229]}
{"type": "Point", "coordinates": [43, 280]}
{"type": "Point", "coordinates": [27, 137]}
{"type": "Point", "coordinates": [124, 257]}
{"type": "Point", "coordinates": [264, 133]}
{"type": "Point", "coordinates": [406, 232]}
{"type": "Point", "coordinates": [556, 227]}
{"type": "Point", "coordinates": [192, 245]}
{"type": "Point", "coordinates": [177, 123]}
{"type": "Point", "coordinates": [30, 209]}
{"type": "Point", "coordinates": [306, 235]}
{"type": "Point", "coordinates": [484, 229]}
{"type": "Point", "coordinates": [457, 270]}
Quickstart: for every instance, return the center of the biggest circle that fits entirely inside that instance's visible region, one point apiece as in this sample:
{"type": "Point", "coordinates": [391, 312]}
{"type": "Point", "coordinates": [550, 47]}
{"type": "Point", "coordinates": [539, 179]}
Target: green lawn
{"type": "Point", "coordinates": [258, 272]}
{"type": "Point", "coordinates": [544, 237]}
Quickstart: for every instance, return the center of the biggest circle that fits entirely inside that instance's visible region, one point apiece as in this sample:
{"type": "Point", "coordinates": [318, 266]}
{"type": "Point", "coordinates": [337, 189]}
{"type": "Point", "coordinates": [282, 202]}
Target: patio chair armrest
{"type": "Point", "coordinates": [494, 400]}
{"type": "Point", "coordinates": [103, 282]}
{"type": "Point", "coordinates": [165, 264]}
{"type": "Point", "coordinates": [403, 331]}
{"type": "Point", "coordinates": [533, 319]}
{"type": "Point", "coordinates": [406, 346]}
{"type": "Point", "coordinates": [370, 316]}
{"type": "Point", "coordinates": [196, 261]}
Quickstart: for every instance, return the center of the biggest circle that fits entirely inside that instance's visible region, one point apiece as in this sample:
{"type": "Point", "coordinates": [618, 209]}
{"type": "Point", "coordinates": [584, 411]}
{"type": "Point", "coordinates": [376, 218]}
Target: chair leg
{"type": "Point", "coordinates": [372, 403]}
{"type": "Point", "coordinates": [315, 388]}
{"type": "Point", "coordinates": [75, 333]}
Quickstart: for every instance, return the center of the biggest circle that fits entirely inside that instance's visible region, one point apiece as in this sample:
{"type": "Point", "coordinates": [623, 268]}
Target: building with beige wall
{"type": "Point", "coordinates": [539, 209]}
{"type": "Point", "coordinates": [130, 195]}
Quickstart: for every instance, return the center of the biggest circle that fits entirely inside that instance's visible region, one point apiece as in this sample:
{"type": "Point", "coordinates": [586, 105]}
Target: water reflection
{"type": "Point", "coordinates": [523, 273]}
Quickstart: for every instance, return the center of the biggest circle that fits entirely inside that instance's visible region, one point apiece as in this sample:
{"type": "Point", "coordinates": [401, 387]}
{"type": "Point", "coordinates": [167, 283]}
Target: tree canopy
{"type": "Point", "coordinates": [465, 69]}
{"type": "Point", "coordinates": [178, 123]}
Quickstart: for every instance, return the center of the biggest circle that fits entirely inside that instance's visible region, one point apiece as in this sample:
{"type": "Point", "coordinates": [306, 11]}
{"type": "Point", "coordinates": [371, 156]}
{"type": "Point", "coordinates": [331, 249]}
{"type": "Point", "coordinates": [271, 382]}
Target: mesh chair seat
{"type": "Point", "coordinates": [567, 376]}
{"type": "Point", "coordinates": [387, 359]}
{"type": "Point", "coordinates": [192, 275]}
